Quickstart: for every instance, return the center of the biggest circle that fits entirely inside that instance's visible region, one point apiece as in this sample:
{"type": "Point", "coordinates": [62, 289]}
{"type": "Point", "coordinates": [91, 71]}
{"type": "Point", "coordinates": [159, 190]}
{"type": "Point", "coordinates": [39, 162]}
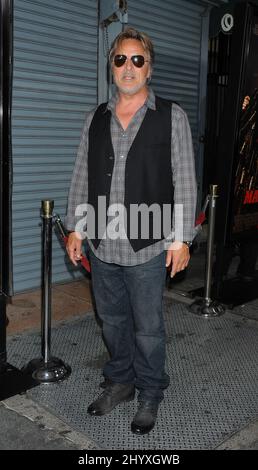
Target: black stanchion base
{"type": "Point", "coordinates": [234, 292]}
{"type": "Point", "coordinates": [14, 381]}
{"type": "Point", "coordinates": [205, 308]}
{"type": "Point", "coordinates": [54, 370]}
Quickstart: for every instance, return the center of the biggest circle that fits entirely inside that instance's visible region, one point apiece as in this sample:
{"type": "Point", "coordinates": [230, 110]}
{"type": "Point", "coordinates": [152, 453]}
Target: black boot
{"type": "Point", "coordinates": [105, 382]}
{"type": "Point", "coordinates": [145, 418]}
{"type": "Point", "coordinates": [113, 395]}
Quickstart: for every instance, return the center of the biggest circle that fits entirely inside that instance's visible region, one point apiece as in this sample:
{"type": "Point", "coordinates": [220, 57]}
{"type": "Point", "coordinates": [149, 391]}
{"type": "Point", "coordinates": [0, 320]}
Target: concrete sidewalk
{"type": "Point", "coordinates": [28, 425]}
{"type": "Point", "coordinates": [25, 425]}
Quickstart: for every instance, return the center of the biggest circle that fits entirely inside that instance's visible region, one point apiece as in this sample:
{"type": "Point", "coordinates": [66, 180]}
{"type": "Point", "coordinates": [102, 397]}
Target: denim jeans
{"type": "Point", "coordinates": [129, 303]}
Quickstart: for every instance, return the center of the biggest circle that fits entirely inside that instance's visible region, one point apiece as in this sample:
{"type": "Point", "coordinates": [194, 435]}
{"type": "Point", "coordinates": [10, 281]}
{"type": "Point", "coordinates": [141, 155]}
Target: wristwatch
{"type": "Point", "coordinates": [188, 243]}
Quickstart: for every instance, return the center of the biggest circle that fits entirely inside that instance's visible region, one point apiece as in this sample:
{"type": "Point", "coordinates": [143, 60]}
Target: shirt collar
{"type": "Point", "coordinates": [149, 103]}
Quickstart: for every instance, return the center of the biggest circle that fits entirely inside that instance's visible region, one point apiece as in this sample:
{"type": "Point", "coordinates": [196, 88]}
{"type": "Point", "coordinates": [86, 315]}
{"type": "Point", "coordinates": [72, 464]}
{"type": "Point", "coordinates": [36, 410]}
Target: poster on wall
{"type": "Point", "coordinates": [245, 198]}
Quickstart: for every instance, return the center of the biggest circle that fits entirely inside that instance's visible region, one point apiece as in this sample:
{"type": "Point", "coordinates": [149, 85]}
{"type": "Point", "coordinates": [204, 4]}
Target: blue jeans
{"type": "Point", "coordinates": [129, 303]}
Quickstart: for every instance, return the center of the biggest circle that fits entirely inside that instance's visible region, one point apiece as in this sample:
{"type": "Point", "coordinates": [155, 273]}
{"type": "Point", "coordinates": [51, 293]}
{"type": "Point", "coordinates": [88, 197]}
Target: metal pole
{"type": "Point", "coordinates": [210, 242]}
{"type": "Point", "coordinates": [47, 215]}
{"type": "Point", "coordinates": [47, 368]}
{"type": "Point", "coordinates": [206, 306]}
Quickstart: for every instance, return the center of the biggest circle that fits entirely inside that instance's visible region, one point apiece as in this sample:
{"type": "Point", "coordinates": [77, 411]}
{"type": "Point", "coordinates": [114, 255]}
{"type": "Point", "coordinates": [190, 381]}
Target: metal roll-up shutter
{"type": "Point", "coordinates": [54, 84]}
{"type": "Point", "coordinates": [175, 28]}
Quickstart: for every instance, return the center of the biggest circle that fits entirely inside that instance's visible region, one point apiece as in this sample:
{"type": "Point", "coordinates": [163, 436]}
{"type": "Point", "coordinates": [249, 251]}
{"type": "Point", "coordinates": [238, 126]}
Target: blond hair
{"type": "Point", "coordinates": [132, 33]}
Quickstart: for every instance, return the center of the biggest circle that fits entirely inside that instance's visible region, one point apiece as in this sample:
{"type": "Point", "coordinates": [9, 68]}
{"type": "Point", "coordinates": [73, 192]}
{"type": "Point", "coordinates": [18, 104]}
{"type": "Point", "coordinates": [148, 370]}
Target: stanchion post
{"type": "Point", "coordinates": [47, 368]}
{"type": "Point", "coordinates": [206, 306]}
{"type": "Point", "coordinates": [47, 216]}
{"type": "Point", "coordinates": [210, 241]}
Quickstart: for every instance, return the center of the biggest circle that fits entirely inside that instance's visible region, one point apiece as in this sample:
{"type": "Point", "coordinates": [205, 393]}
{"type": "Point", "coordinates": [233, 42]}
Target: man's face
{"type": "Point", "coordinates": [128, 78]}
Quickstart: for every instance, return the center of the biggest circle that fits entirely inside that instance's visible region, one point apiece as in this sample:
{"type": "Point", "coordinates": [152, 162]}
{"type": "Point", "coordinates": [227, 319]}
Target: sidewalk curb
{"type": "Point", "coordinates": [245, 439]}
{"type": "Point", "coordinates": [24, 406]}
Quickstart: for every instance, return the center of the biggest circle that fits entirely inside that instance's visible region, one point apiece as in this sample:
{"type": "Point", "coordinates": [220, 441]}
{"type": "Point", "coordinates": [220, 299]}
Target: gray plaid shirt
{"type": "Point", "coordinates": [120, 251]}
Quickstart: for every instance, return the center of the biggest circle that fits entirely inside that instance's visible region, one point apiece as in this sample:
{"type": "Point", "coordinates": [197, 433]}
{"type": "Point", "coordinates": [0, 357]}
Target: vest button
{"type": "Point", "coordinates": [108, 174]}
{"type": "Point", "coordinates": [111, 158]}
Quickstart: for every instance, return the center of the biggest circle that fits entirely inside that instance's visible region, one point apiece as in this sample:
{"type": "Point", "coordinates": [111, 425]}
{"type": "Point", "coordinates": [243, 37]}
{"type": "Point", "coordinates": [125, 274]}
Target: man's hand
{"type": "Point", "coordinates": [74, 247]}
{"type": "Point", "coordinates": [178, 257]}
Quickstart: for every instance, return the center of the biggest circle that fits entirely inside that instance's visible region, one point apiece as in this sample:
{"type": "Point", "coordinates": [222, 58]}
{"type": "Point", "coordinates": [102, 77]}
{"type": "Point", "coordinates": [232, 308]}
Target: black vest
{"type": "Point", "coordinates": [148, 173]}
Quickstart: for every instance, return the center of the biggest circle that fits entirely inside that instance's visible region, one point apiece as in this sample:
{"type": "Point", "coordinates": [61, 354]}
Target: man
{"type": "Point", "coordinates": [136, 150]}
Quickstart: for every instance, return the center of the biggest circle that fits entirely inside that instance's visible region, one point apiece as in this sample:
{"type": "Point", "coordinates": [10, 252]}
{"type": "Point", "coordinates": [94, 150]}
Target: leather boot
{"type": "Point", "coordinates": [113, 394]}
{"type": "Point", "coordinates": [145, 418]}
{"type": "Point", "coordinates": [105, 382]}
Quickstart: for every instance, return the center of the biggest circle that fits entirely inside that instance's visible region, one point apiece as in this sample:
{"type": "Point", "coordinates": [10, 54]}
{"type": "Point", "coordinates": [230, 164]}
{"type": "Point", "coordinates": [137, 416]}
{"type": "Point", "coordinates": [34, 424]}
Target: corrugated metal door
{"type": "Point", "coordinates": [55, 82]}
{"type": "Point", "coordinates": [175, 28]}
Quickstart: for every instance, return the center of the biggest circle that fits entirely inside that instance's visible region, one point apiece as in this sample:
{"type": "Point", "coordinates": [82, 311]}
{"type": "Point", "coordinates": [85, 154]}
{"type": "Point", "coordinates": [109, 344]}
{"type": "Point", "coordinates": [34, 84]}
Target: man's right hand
{"type": "Point", "coordinates": [74, 247]}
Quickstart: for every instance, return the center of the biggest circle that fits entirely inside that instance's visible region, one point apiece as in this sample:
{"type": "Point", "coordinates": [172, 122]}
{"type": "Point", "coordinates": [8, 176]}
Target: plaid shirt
{"type": "Point", "coordinates": [120, 251]}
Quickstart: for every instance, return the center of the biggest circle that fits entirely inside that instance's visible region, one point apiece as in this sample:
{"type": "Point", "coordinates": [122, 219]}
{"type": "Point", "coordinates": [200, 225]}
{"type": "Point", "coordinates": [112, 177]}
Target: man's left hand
{"type": "Point", "coordinates": [178, 257]}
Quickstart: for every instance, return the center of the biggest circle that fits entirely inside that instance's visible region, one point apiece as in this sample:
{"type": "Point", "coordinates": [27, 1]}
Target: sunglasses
{"type": "Point", "coordinates": [137, 60]}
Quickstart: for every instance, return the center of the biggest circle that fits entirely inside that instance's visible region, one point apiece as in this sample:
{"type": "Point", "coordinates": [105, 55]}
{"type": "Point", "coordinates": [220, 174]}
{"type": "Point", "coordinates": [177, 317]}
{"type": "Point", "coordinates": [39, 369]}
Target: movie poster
{"type": "Point", "coordinates": [245, 204]}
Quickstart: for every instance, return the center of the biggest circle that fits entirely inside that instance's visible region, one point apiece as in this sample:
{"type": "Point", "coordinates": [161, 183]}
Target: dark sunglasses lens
{"type": "Point", "coordinates": [119, 60]}
{"type": "Point", "coordinates": [138, 60]}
